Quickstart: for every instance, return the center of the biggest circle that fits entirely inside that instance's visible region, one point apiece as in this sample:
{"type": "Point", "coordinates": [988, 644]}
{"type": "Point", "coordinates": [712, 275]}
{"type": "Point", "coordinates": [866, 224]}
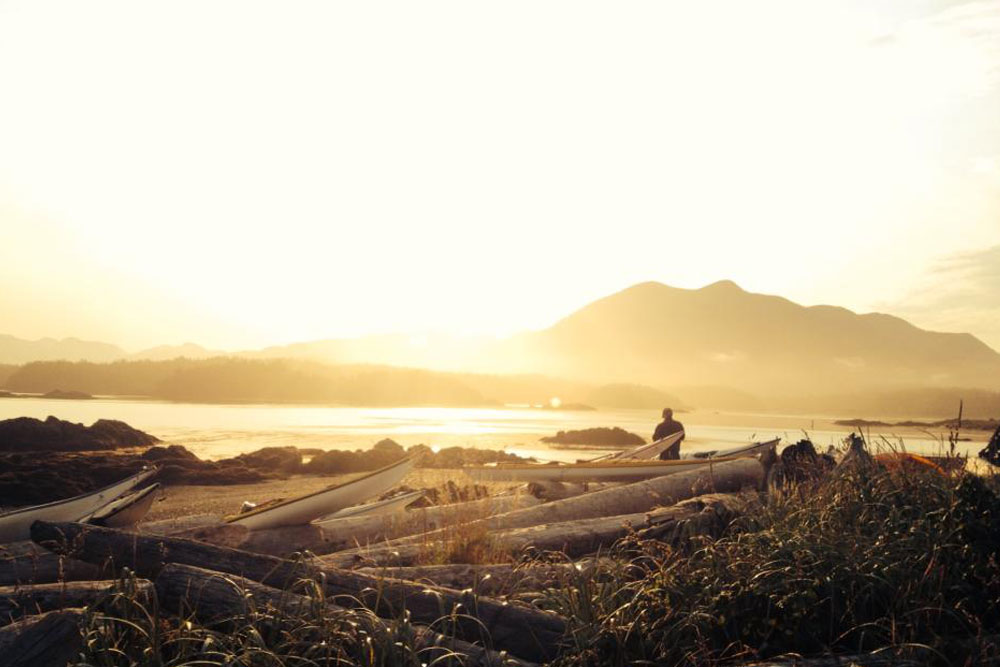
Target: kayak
{"type": "Point", "coordinates": [128, 511]}
{"type": "Point", "coordinates": [15, 526]}
{"type": "Point", "coordinates": [588, 472]}
{"type": "Point", "coordinates": [650, 451]}
{"type": "Point", "coordinates": [303, 509]}
{"type": "Point", "coordinates": [743, 450]}
{"type": "Point", "coordinates": [394, 504]}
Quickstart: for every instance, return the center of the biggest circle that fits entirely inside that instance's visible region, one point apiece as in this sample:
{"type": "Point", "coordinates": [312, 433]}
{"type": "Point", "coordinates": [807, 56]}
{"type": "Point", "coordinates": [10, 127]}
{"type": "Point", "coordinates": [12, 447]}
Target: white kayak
{"type": "Point", "coordinates": [744, 450]}
{"type": "Point", "coordinates": [127, 511]}
{"type": "Point", "coordinates": [303, 509]}
{"type": "Point", "coordinates": [394, 504]}
{"type": "Point", "coordinates": [604, 471]}
{"type": "Point", "coordinates": [15, 526]}
{"type": "Point", "coordinates": [643, 452]}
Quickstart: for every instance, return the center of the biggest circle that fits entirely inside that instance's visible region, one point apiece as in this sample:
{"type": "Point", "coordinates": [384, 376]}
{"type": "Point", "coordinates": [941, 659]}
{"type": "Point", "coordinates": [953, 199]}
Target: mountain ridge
{"type": "Point", "coordinates": [722, 334]}
{"type": "Point", "coordinates": [663, 336]}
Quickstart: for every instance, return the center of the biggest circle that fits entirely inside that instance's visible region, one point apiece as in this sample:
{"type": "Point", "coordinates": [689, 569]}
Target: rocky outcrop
{"type": "Point", "coordinates": [25, 434]}
{"type": "Point", "coordinates": [612, 437]}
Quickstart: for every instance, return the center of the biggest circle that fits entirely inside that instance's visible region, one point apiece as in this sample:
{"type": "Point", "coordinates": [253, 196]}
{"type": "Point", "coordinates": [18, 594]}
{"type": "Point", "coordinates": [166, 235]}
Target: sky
{"type": "Point", "coordinates": [245, 173]}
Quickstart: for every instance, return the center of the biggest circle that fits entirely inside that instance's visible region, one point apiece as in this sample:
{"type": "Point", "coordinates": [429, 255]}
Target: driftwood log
{"type": "Point", "coordinates": [490, 579]}
{"type": "Point", "coordinates": [549, 490]}
{"type": "Point", "coordinates": [352, 532]}
{"type": "Point", "coordinates": [525, 632]}
{"type": "Point", "coordinates": [707, 515]}
{"type": "Point", "coordinates": [629, 499]}
{"type": "Point", "coordinates": [47, 640]}
{"type": "Point", "coordinates": [43, 567]}
{"type": "Point", "coordinates": [573, 538]}
{"type": "Point", "coordinates": [704, 515]}
{"type": "Point", "coordinates": [214, 598]}
{"type": "Point", "coordinates": [17, 602]}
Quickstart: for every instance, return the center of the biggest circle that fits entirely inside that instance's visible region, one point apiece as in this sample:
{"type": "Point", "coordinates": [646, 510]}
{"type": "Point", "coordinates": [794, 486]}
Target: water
{"type": "Point", "coordinates": [219, 431]}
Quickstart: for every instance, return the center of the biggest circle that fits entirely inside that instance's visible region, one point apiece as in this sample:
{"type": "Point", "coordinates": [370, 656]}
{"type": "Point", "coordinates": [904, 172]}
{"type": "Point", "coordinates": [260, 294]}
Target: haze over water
{"type": "Point", "coordinates": [218, 431]}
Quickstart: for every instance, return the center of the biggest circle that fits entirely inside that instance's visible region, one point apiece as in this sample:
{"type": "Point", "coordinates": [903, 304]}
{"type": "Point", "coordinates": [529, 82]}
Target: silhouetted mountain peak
{"type": "Point", "coordinates": [721, 334]}
{"type": "Point", "coordinates": [723, 286]}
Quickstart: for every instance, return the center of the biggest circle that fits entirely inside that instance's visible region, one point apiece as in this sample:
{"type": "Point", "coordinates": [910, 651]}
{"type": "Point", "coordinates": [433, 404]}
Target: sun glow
{"type": "Point", "coordinates": [230, 198]}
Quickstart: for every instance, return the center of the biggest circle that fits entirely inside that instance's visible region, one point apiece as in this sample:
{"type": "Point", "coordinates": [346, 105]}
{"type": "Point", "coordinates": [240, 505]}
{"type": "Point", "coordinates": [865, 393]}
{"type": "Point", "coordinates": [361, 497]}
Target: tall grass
{"type": "Point", "coordinates": [871, 558]}
{"type": "Point", "coordinates": [127, 628]}
{"type": "Point", "coordinates": [874, 558]}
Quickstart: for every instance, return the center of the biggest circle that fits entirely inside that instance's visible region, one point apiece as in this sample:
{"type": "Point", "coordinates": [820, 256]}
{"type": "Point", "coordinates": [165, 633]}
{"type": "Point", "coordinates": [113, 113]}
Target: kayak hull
{"type": "Point", "coordinates": [16, 526]}
{"type": "Point", "coordinates": [387, 506]}
{"type": "Point", "coordinates": [128, 511]}
{"type": "Point", "coordinates": [745, 450]}
{"type": "Point", "coordinates": [645, 452]}
{"type": "Point", "coordinates": [303, 509]}
{"type": "Point", "coordinates": [611, 471]}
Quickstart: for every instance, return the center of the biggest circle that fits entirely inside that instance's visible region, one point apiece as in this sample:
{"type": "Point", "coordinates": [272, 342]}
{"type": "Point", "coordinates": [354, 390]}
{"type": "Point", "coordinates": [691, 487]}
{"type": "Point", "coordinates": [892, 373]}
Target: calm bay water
{"type": "Point", "coordinates": [218, 431]}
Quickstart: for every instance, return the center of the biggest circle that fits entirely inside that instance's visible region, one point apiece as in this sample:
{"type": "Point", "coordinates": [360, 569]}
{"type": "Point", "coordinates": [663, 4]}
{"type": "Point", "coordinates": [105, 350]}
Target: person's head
{"type": "Point", "coordinates": [667, 413]}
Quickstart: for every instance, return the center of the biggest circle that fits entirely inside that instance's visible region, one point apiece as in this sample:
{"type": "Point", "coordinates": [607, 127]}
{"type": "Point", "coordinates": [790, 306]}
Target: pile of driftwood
{"type": "Point", "coordinates": [378, 563]}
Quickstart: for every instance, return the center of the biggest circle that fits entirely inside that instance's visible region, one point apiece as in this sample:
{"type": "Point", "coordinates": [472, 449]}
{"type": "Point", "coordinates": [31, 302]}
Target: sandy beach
{"type": "Point", "coordinates": [187, 500]}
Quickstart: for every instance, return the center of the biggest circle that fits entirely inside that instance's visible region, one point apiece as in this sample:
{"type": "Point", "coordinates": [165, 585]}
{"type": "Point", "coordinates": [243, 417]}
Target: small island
{"type": "Point", "coordinates": [68, 395]}
{"type": "Point", "coordinates": [600, 436]}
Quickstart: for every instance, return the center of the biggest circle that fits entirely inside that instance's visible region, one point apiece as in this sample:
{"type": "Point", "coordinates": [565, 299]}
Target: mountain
{"type": "Point", "coordinates": [19, 351]}
{"type": "Point", "coordinates": [721, 344]}
{"type": "Point", "coordinates": [718, 346]}
{"type": "Point", "coordinates": [722, 335]}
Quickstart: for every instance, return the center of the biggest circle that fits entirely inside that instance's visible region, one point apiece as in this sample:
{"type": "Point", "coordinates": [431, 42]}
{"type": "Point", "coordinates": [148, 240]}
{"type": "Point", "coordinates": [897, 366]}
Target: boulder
{"type": "Point", "coordinates": [56, 435]}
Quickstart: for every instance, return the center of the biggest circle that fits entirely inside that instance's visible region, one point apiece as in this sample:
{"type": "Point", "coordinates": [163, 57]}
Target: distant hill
{"type": "Point", "coordinates": [717, 347]}
{"type": "Point", "coordinates": [19, 351]}
{"type": "Point", "coordinates": [232, 379]}
{"type": "Point", "coordinates": [722, 335]}
{"type": "Point", "coordinates": [724, 345]}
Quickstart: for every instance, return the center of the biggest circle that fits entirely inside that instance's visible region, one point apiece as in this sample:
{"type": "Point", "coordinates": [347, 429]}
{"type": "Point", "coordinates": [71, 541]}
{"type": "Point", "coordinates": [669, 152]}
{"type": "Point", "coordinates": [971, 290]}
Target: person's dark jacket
{"type": "Point", "coordinates": [665, 428]}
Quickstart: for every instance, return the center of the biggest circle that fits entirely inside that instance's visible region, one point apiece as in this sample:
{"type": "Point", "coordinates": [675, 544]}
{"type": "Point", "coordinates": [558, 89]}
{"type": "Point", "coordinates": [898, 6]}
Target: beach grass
{"type": "Point", "coordinates": [900, 560]}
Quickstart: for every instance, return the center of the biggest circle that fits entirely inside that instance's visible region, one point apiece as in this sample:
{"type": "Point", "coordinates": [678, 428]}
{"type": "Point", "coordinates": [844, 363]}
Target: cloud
{"type": "Point", "coordinates": [956, 49]}
{"type": "Point", "coordinates": [960, 293]}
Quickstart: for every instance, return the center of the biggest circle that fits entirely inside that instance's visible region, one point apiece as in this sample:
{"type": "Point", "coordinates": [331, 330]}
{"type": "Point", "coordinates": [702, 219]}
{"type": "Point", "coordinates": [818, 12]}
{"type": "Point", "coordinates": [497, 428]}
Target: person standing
{"type": "Point", "coordinates": [669, 426]}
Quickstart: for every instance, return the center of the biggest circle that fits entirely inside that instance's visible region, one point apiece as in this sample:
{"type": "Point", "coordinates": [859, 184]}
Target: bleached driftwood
{"type": "Point", "coordinates": [346, 533]}
{"type": "Point", "coordinates": [47, 640]}
{"type": "Point", "coordinates": [214, 597]}
{"type": "Point", "coordinates": [528, 633]}
{"type": "Point", "coordinates": [17, 602]}
{"type": "Point", "coordinates": [704, 515]}
{"type": "Point", "coordinates": [549, 490]}
{"type": "Point", "coordinates": [629, 499]}
{"type": "Point", "coordinates": [39, 566]}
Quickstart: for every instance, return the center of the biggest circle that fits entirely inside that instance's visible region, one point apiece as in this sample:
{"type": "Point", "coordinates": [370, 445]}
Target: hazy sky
{"type": "Point", "coordinates": [245, 173]}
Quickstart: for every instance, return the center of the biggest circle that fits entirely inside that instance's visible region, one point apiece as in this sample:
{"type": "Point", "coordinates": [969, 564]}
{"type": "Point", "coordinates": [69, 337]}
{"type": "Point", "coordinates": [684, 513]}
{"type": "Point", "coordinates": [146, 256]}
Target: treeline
{"type": "Point", "coordinates": [922, 402]}
{"type": "Point", "coordinates": [238, 379]}
{"type": "Point", "coordinates": [6, 370]}
{"type": "Point", "coordinates": [228, 379]}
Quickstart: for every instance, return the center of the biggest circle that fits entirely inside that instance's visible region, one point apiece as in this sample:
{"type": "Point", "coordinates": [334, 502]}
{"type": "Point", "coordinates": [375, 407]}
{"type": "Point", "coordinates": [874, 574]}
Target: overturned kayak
{"type": "Point", "coordinates": [303, 509]}
{"type": "Point", "coordinates": [644, 452]}
{"type": "Point", "coordinates": [744, 450]}
{"type": "Point", "coordinates": [611, 471]}
{"type": "Point", "coordinates": [394, 504]}
{"type": "Point", "coordinates": [127, 511]}
{"type": "Point", "coordinates": [15, 526]}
